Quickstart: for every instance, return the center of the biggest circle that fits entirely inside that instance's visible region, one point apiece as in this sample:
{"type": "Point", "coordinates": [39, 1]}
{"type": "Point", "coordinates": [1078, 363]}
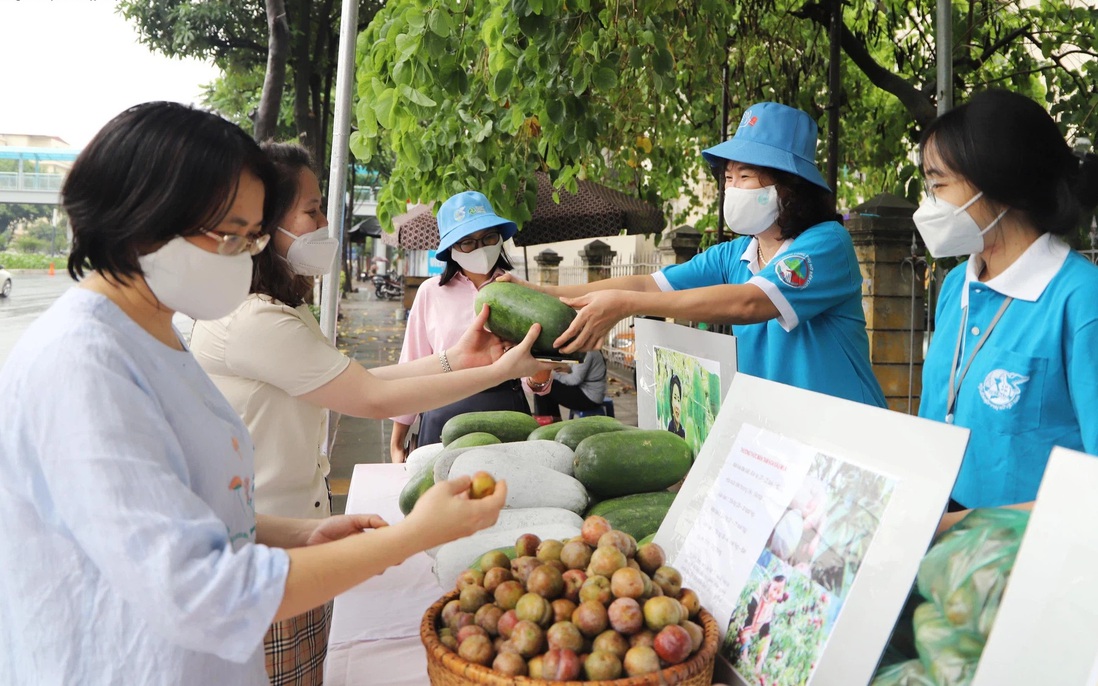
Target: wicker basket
{"type": "Point", "coordinates": [446, 668]}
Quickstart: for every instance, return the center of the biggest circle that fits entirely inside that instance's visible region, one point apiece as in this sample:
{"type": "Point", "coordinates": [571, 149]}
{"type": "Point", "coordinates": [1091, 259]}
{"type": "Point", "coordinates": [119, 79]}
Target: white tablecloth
{"type": "Point", "coordinates": [375, 625]}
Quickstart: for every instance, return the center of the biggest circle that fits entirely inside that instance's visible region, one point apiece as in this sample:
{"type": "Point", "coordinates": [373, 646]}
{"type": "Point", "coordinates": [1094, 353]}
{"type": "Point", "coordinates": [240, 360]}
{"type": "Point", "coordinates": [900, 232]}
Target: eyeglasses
{"type": "Point", "coordinates": [230, 244]}
{"type": "Point", "coordinates": [471, 244]}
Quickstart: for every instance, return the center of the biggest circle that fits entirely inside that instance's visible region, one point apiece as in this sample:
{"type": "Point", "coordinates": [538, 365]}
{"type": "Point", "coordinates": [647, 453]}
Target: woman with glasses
{"type": "Point", "coordinates": [281, 374]}
{"type": "Point", "coordinates": [132, 551]}
{"type": "Point", "coordinates": [1013, 357]}
{"type": "Point", "coordinates": [471, 237]}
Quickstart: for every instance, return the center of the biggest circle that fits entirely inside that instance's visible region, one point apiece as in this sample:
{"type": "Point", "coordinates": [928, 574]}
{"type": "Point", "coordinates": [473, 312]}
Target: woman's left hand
{"type": "Point", "coordinates": [598, 313]}
{"type": "Point", "coordinates": [338, 527]}
{"type": "Point", "coordinates": [477, 347]}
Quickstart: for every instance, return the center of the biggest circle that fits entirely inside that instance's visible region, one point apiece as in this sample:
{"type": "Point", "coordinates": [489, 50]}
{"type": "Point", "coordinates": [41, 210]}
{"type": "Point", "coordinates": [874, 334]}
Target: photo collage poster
{"type": "Point", "coordinates": [687, 392]}
{"type": "Point", "coordinates": [775, 549]}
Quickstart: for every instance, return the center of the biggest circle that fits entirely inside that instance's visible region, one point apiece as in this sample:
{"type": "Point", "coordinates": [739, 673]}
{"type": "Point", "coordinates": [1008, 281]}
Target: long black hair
{"type": "Point", "coordinates": [272, 275]}
{"type": "Point", "coordinates": [155, 172]}
{"type": "Point", "coordinates": [1009, 147]}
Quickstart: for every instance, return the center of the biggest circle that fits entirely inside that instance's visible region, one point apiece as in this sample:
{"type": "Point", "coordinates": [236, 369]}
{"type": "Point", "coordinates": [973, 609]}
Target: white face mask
{"type": "Point", "coordinates": [200, 284]}
{"type": "Point", "coordinates": [480, 261]}
{"type": "Point", "coordinates": [749, 212]}
{"type": "Point", "coordinates": [311, 254]}
{"type": "Point", "coordinates": [948, 230]}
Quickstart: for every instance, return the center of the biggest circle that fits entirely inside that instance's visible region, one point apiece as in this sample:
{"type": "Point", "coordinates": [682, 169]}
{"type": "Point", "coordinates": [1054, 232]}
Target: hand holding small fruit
{"type": "Point", "coordinates": [446, 512]}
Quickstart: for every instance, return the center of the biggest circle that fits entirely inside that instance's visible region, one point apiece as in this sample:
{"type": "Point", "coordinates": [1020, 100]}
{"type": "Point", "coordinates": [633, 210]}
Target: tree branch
{"type": "Point", "coordinates": [919, 106]}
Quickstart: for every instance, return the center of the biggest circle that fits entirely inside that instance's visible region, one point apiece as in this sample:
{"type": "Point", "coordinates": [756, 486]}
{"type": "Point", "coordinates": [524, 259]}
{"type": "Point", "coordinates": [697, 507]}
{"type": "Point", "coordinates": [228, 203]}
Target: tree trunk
{"type": "Point", "coordinates": [304, 67]}
{"type": "Point", "coordinates": [266, 120]}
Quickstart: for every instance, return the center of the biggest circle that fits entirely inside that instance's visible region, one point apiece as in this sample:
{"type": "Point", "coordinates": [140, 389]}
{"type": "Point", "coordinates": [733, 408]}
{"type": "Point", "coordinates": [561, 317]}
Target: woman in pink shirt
{"type": "Point", "coordinates": [471, 237]}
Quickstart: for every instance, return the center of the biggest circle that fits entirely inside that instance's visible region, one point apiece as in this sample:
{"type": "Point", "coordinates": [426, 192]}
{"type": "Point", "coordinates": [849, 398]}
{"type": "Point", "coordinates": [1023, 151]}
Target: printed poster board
{"type": "Point", "coordinates": [801, 526]}
{"type": "Point", "coordinates": [683, 376]}
{"type": "Point", "coordinates": [1046, 631]}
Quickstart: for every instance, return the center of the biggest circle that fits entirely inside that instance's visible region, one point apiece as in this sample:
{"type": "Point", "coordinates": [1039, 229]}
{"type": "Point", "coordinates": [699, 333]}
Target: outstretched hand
{"type": "Point", "coordinates": [598, 313]}
{"type": "Point", "coordinates": [445, 512]}
{"type": "Point", "coordinates": [341, 526]}
{"type": "Point", "coordinates": [519, 362]}
{"type": "Point", "coordinates": [478, 346]}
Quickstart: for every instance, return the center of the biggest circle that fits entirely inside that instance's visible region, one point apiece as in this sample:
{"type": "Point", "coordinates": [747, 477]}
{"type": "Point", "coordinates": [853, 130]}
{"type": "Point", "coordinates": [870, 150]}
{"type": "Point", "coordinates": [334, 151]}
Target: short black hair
{"type": "Point", "coordinates": [155, 172]}
{"type": "Point", "coordinates": [674, 382]}
{"type": "Point", "coordinates": [1008, 146]}
{"type": "Point", "coordinates": [452, 268]}
{"type": "Point", "coordinates": [272, 275]}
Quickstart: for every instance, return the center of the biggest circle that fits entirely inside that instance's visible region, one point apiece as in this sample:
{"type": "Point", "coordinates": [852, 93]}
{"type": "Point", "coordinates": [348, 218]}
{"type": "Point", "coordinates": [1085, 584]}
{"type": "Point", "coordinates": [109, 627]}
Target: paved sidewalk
{"type": "Point", "coordinates": [372, 332]}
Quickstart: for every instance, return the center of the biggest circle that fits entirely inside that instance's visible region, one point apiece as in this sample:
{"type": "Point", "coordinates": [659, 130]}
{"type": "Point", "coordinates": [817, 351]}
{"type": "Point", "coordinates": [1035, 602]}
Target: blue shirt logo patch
{"type": "Point", "coordinates": [1001, 390]}
{"type": "Point", "coordinates": [794, 270]}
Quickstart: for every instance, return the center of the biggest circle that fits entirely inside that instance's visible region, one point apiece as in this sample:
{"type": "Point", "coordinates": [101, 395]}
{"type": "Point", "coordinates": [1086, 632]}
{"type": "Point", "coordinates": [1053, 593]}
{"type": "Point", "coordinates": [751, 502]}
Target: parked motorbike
{"type": "Point", "coordinates": [388, 289]}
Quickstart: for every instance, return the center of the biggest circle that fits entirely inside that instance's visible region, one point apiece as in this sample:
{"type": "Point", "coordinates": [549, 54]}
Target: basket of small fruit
{"type": "Point", "coordinates": [596, 609]}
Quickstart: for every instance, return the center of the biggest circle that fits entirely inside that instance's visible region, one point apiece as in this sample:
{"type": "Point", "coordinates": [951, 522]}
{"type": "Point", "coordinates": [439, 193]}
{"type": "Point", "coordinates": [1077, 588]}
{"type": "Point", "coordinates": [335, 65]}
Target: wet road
{"type": "Point", "coordinates": [31, 295]}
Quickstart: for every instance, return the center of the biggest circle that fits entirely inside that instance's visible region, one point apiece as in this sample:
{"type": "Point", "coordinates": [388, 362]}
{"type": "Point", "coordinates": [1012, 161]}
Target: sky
{"type": "Point", "coordinates": [68, 66]}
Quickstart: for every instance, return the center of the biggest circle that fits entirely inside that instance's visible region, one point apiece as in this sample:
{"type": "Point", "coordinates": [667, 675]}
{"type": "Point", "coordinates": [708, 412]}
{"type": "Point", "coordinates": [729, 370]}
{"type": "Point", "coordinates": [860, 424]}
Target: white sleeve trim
{"type": "Point", "coordinates": [787, 317]}
{"type": "Point", "coordinates": [662, 281]}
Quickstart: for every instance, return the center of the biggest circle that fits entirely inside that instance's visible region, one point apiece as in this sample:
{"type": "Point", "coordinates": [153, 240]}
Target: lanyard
{"type": "Point", "coordinates": [954, 380]}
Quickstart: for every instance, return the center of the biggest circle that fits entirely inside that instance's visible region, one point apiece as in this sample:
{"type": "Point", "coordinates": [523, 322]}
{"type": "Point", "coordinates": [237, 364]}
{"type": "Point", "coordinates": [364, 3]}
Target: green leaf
{"type": "Point", "coordinates": [383, 108]}
{"type": "Point", "coordinates": [663, 63]}
{"type": "Point", "coordinates": [579, 84]}
{"type": "Point", "coordinates": [440, 23]}
{"type": "Point", "coordinates": [416, 97]}
{"type": "Point", "coordinates": [484, 132]}
{"type": "Point", "coordinates": [606, 79]}
{"type": "Point", "coordinates": [554, 109]}
{"type": "Point", "coordinates": [478, 164]}
{"type": "Point", "coordinates": [501, 84]}
{"type": "Point", "coordinates": [587, 40]}
{"type": "Point", "coordinates": [536, 6]}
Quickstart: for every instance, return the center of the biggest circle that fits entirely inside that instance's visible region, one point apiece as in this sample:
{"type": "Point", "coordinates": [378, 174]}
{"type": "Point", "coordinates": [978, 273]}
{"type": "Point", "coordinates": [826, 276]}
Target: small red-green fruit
{"type": "Point", "coordinates": [627, 583]}
{"type": "Point", "coordinates": [602, 666]}
{"type": "Point", "coordinates": [507, 594]}
{"type": "Point", "coordinates": [522, 566]}
{"type": "Point", "coordinates": [496, 576]}
{"type": "Point", "coordinates": [470, 577]}
{"type": "Point", "coordinates": [596, 588]}
{"type": "Point", "coordinates": [461, 619]}
{"type": "Point", "coordinates": [626, 616]}
{"type": "Point", "coordinates": [477, 649]}
{"type": "Point", "coordinates": [690, 601]}
{"type": "Point", "coordinates": [668, 579]}
{"type": "Point", "coordinates": [673, 644]}
{"type": "Point", "coordinates": [641, 660]}
{"type": "Point", "coordinates": [606, 561]}
{"type": "Point", "coordinates": [612, 642]}
{"type": "Point", "coordinates": [593, 528]}
{"type": "Point", "coordinates": [494, 559]}
{"type": "Point", "coordinates": [467, 631]}
{"type": "Point", "coordinates": [450, 610]}
{"type": "Point", "coordinates": [620, 540]}
{"type": "Point", "coordinates": [546, 581]}
{"type": "Point", "coordinates": [487, 618]}
{"type": "Point", "coordinates": [697, 634]}
{"type": "Point", "coordinates": [472, 598]}
{"type": "Point", "coordinates": [549, 550]}
{"type": "Point", "coordinates": [533, 667]}
{"type": "Point", "coordinates": [565, 635]}
{"type": "Point", "coordinates": [563, 609]}
{"type": "Point", "coordinates": [590, 617]}
{"type": "Point", "coordinates": [528, 639]}
{"type": "Point", "coordinates": [662, 611]}
{"type": "Point", "coordinates": [533, 608]}
{"type": "Point", "coordinates": [560, 665]}
{"type": "Point", "coordinates": [450, 641]}
{"type": "Point", "coordinates": [509, 664]}
{"type": "Point", "coordinates": [642, 638]}
{"type": "Point", "coordinates": [651, 557]}
{"type": "Point", "coordinates": [506, 623]}
{"type": "Point", "coordinates": [483, 485]}
{"type": "Point", "coordinates": [575, 555]}
{"type": "Point", "coordinates": [573, 581]}
{"type": "Point", "coordinates": [527, 545]}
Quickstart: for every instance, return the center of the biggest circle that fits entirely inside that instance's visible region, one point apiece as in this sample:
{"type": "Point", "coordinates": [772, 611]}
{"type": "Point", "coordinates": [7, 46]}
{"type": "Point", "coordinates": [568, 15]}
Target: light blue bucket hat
{"type": "Point", "coordinates": [464, 214]}
{"type": "Point", "coordinates": [775, 136]}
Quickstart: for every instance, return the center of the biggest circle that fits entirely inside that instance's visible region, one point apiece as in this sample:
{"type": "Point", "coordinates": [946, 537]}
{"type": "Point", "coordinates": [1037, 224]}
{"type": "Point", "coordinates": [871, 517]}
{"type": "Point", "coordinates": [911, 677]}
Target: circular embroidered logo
{"type": "Point", "coordinates": [794, 270]}
{"type": "Point", "coordinates": [1001, 390]}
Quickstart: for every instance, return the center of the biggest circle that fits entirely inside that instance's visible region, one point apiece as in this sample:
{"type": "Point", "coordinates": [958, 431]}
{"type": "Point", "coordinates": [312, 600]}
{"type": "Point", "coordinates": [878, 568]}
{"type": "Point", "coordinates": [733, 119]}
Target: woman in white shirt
{"type": "Point", "coordinates": [133, 553]}
{"type": "Point", "coordinates": [281, 374]}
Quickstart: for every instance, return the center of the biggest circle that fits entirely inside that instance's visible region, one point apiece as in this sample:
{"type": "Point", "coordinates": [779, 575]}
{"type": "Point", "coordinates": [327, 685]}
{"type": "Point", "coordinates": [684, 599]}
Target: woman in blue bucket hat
{"type": "Point", "coordinates": [471, 237]}
{"type": "Point", "coordinates": [790, 286]}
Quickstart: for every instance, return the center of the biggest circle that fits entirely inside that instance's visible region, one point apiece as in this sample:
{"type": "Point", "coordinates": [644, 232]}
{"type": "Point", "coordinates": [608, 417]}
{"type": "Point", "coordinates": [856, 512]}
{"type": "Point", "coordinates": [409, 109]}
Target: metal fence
{"type": "Point", "coordinates": [24, 181]}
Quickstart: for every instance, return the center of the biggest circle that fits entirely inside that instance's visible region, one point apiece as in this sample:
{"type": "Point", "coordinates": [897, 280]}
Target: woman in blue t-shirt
{"type": "Point", "coordinates": [791, 286]}
{"type": "Point", "coordinates": [1014, 356]}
